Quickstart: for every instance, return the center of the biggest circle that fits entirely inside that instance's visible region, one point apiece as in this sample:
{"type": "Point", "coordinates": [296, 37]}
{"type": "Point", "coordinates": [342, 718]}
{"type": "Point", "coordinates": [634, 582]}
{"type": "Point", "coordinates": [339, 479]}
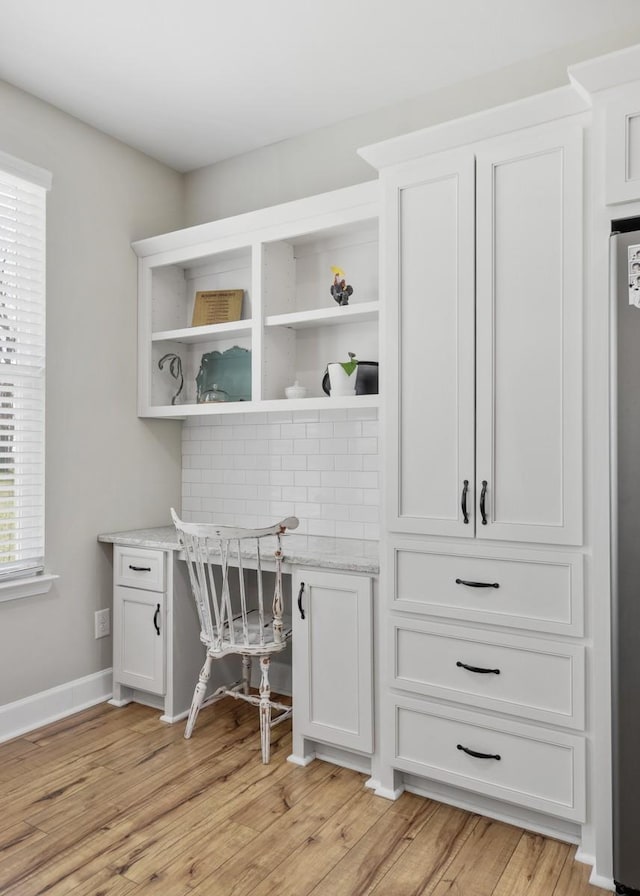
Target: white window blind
{"type": "Point", "coordinates": [22, 375]}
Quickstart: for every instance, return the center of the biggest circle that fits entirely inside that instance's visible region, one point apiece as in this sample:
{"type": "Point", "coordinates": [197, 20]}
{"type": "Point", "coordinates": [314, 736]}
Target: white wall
{"type": "Point", "coordinates": [105, 468]}
{"type": "Point", "coordinates": [326, 159]}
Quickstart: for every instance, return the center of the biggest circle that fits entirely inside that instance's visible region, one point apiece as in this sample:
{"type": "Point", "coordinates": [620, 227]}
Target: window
{"type": "Point", "coordinates": [22, 367]}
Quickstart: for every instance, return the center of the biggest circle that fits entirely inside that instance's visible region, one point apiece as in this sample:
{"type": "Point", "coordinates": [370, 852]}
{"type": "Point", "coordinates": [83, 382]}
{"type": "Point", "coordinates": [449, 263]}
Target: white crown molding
{"type": "Point", "coordinates": [26, 171]}
{"type": "Point", "coordinates": [523, 113]}
{"type": "Point", "coordinates": [605, 72]}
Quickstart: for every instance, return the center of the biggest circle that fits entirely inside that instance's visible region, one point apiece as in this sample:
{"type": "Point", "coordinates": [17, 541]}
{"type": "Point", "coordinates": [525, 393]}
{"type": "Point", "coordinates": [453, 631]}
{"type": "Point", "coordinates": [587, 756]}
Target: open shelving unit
{"type": "Point", "coordinates": [281, 257]}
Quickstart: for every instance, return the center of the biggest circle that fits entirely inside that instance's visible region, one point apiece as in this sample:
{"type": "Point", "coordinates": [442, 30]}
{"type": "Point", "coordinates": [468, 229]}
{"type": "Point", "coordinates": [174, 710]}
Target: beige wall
{"type": "Point", "coordinates": [105, 468]}
{"type": "Point", "coordinates": [326, 159]}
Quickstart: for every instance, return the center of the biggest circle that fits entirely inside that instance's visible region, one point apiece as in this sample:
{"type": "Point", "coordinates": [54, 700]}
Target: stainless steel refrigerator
{"type": "Point", "coordinates": [625, 520]}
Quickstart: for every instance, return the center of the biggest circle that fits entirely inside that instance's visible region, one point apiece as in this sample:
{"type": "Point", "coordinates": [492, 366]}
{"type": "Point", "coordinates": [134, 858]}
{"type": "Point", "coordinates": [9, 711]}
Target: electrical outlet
{"type": "Point", "coordinates": [102, 623]}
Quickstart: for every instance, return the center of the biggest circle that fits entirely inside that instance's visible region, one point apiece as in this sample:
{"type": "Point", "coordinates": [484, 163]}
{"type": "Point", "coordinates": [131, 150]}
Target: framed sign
{"type": "Point", "coordinates": [217, 306]}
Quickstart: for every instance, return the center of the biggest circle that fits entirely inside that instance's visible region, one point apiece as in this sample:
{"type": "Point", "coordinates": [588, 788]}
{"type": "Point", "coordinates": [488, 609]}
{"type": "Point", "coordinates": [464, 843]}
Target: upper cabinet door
{"type": "Point", "coordinates": [428, 327]}
{"type": "Point", "coordinates": [529, 336]}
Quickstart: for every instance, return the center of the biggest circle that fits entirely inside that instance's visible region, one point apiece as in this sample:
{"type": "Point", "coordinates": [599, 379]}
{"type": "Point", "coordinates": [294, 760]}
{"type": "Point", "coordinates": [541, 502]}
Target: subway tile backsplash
{"type": "Point", "coordinates": [321, 466]}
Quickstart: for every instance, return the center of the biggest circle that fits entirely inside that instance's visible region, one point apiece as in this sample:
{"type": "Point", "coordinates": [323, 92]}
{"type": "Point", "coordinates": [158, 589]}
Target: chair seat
{"type": "Point", "coordinates": [252, 644]}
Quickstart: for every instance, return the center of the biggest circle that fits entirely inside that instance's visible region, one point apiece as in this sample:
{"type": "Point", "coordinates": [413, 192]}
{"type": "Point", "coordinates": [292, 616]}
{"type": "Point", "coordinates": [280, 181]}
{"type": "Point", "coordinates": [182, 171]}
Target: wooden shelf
{"type": "Point", "coordinates": [325, 403]}
{"type": "Point", "coordinates": [191, 335]}
{"type": "Point", "coordinates": [323, 317]}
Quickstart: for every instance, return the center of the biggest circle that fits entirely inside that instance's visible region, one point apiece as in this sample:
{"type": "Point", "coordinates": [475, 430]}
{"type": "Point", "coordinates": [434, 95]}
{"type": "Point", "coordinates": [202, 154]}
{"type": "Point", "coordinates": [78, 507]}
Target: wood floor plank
{"type": "Point", "coordinates": [534, 867]}
{"type": "Point", "coordinates": [115, 802]}
{"type": "Point", "coordinates": [428, 856]}
{"type": "Point", "coordinates": [272, 848]}
{"type": "Point", "coordinates": [328, 844]}
{"type": "Point", "coordinates": [574, 880]}
{"type": "Point", "coordinates": [368, 861]}
{"type": "Point", "coordinates": [475, 871]}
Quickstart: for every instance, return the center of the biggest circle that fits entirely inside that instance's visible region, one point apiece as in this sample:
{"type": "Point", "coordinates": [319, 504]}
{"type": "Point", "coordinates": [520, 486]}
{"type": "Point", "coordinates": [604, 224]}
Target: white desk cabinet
{"type": "Point", "coordinates": [156, 635]}
{"type": "Point", "coordinates": [332, 663]}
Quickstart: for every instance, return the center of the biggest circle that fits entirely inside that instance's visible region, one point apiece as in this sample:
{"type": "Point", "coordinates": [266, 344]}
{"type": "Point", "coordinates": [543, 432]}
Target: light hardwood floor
{"type": "Point", "coordinates": [111, 802]}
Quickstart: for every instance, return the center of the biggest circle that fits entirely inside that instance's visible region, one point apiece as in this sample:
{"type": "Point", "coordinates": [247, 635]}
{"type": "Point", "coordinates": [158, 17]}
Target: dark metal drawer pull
{"type": "Point", "coordinates": [478, 584]}
{"type": "Point", "coordinates": [463, 503]}
{"type": "Point", "coordinates": [156, 616]}
{"type": "Point", "coordinates": [300, 600]}
{"type": "Point", "coordinates": [478, 755]}
{"type": "Point", "coordinates": [140, 568]}
{"type": "Point", "coordinates": [477, 668]}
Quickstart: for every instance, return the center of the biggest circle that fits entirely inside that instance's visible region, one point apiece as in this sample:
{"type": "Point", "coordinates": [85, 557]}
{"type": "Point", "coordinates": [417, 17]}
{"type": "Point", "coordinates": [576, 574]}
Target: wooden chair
{"type": "Point", "coordinates": [227, 624]}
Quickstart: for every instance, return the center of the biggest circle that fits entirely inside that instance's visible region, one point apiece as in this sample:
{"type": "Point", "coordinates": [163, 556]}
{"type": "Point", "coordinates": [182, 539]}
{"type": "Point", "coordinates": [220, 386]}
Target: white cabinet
{"type": "Point", "coordinates": [483, 328]}
{"type": "Point", "coordinates": [290, 327]}
{"type": "Point", "coordinates": [157, 653]}
{"type": "Point", "coordinates": [139, 639]}
{"type": "Point", "coordinates": [484, 680]}
{"type": "Point", "coordinates": [332, 663]}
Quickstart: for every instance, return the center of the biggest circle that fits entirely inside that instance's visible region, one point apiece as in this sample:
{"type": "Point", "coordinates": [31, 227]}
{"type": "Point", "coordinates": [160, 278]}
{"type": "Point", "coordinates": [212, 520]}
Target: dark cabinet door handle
{"type": "Point", "coordinates": [478, 584]}
{"type": "Point", "coordinates": [156, 616]}
{"type": "Point", "coordinates": [300, 593]}
{"type": "Point", "coordinates": [478, 669]}
{"type": "Point", "coordinates": [483, 497]}
{"type": "Point", "coordinates": [140, 568]}
{"type": "Point", "coordinates": [477, 755]}
{"type": "Point", "coordinates": [463, 502]}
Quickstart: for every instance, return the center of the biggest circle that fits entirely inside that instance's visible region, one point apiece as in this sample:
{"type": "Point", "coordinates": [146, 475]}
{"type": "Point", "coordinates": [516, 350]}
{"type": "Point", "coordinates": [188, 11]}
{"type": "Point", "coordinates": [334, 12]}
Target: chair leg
{"type": "Point", "coordinates": [265, 708]}
{"type": "Point", "coordinates": [198, 696]}
{"type": "Point", "coordinates": [246, 673]}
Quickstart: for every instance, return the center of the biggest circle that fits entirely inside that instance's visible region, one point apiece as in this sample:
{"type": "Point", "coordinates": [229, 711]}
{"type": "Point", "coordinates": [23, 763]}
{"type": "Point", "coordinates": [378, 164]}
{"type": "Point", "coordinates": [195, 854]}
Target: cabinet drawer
{"type": "Point", "coordinates": [139, 568]}
{"type": "Point", "coordinates": [535, 590]}
{"type": "Point", "coordinates": [539, 768]}
{"type": "Point", "coordinates": [529, 677]}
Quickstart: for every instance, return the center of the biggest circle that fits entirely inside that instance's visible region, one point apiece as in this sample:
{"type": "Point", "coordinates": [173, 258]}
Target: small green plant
{"type": "Point", "coordinates": [350, 365]}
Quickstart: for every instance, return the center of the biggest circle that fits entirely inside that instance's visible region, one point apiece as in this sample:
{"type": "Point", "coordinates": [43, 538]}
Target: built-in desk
{"type": "Point", "coordinates": [157, 652]}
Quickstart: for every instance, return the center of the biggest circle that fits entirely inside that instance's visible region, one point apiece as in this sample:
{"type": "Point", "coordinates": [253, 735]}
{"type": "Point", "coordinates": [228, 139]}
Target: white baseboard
{"type": "Point", "coordinates": [40, 709]}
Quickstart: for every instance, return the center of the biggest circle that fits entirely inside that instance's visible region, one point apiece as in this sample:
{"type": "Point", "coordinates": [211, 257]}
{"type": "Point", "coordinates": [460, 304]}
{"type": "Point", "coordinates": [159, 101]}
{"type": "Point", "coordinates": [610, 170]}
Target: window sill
{"type": "Point", "coordinates": [18, 588]}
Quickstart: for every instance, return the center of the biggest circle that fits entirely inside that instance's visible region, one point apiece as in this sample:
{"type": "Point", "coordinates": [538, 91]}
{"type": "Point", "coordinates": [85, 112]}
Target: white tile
{"type": "Point", "coordinates": [307, 477]}
{"type": "Point", "coordinates": [306, 446]}
{"type": "Point", "coordinates": [363, 446]}
{"type": "Point", "coordinates": [372, 532]}
{"type": "Point", "coordinates": [305, 416]}
{"type": "Point", "coordinates": [363, 413]}
{"type": "Point", "coordinates": [349, 530]}
{"type": "Point", "coordinates": [349, 429]}
{"type": "Point", "coordinates": [280, 416]}
{"type": "Point", "coordinates": [244, 431]}
{"type": "Point", "coordinates": [371, 496]}
{"type": "Point", "coordinates": [324, 495]}
{"type": "Point", "coordinates": [321, 462]}
{"type": "Point", "coordinates": [323, 527]}
{"type": "Point", "coordinates": [361, 513]}
{"type": "Point", "coordinates": [294, 462]}
{"type": "Point", "coordinates": [281, 446]}
{"type": "Point", "coordinates": [307, 510]}
{"type": "Point", "coordinates": [334, 446]}
{"type": "Point", "coordinates": [258, 477]}
{"type": "Point", "coordinates": [335, 511]}
{"type": "Point", "coordinates": [281, 477]}
{"type": "Point", "coordinates": [333, 414]}
{"type": "Point", "coordinates": [336, 480]}
{"type": "Point", "coordinates": [370, 428]}
{"type": "Point", "coordinates": [293, 430]}
{"type": "Point", "coordinates": [364, 480]}
{"type": "Point", "coordinates": [320, 430]}
{"type": "Point", "coordinates": [371, 462]}
{"type": "Point", "coordinates": [349, 462]}
{"type": "Point", "coordinates": [348, 496]}
{"type": "Point", "coordinates": [294, 493]}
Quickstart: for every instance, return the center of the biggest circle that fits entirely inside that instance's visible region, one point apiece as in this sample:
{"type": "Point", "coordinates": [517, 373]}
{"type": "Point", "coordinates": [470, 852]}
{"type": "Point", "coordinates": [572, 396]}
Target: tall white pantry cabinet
{"type": "Point", "coordinates": [482, 618]}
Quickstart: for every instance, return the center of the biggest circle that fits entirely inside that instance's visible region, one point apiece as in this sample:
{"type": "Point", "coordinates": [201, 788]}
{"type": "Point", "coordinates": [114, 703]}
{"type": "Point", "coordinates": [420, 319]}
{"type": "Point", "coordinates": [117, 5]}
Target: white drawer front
{"type": "Point", "coordinates": [536, 590]}
{"type": "Point", "coordinates": [542, 769]}
{"type": "Point", "coordinates": [529, 677]}
{"type": "Point", "coordinates": [139, 568]}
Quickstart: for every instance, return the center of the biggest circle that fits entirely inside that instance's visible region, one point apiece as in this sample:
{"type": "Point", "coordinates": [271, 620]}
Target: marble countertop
{"type": "Point", "coordinates": [349, 555]}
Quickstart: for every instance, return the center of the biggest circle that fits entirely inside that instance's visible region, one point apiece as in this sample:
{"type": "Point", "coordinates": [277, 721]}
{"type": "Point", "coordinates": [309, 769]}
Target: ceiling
{"type": "Point", "coordinates": [191, 82]}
